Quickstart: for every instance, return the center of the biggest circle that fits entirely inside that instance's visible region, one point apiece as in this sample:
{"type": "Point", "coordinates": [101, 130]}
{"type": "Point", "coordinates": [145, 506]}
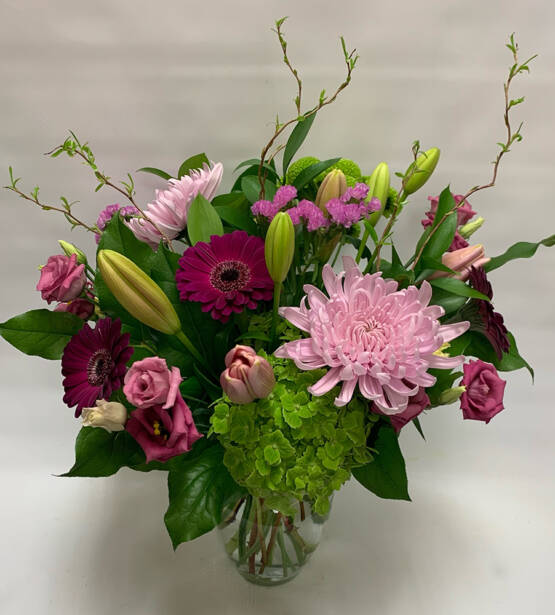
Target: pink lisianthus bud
{"type": "Point", "coordinates": [80, 307]}
{"type": "Point", "coordinates": [247, 376]}
{"type": "Point", "coordinates": [61, 279]}
{"type": "Point", "coordinates": [461, 260]}
{"type": "Point", "coordinates": [483, 397]}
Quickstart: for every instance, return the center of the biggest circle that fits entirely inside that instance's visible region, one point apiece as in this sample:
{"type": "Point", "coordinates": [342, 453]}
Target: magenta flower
{"type": "Point", "coordinates": [310, 213]}
{"type": "Point", "coordinates": [94, 363]}
{"type": "Point", "coordinates": [226, 275]}
{"type": "Point", "coordinates": [350, 208]}
{"type": "Point", "coordinates": [170, 208]}
{"type": "Point", "coordinates": [372, 335]}
{"type": "Point", "coordinates": [417, 404]}
{"type": "Point", "coordinates": [80, 307]}
{"type": "Point", "coordinates": [483, 398]}
{"type": "Point", "coordinates": [61, 279]}
{"type": "Point", "coordinates": [464, 214]}
{"type": "Point", "coordinates": [268, 209]}
{"type": "Point", "coordinates": [108, 213]}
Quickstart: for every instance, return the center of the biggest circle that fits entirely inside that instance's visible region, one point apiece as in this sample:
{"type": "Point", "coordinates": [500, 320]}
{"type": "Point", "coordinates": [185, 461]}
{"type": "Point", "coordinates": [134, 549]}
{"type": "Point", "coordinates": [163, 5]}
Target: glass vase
{"type": "Point", "coordinates": [266, 546]}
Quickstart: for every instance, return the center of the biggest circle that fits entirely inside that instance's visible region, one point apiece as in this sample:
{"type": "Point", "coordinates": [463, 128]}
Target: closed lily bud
{"type": "Point", "coordinates": [70, 249]}
{"type": "Point", "coordinates": [247, 376]}
{"type": "Point", "coordinates": [333, 186]}
{"type": "Point", "coordinates": [378, 187]}
{"type": "Point", "coordinates": [110, 415]}
{"type": "Point", "coordinates": [460, 262]}
{"type": "Point", "coordinates": [451, 395]}
{"type": "Point", "coordinates": [279, 246]}
{"type": "Point", "coordinates": [471, 227]}
{"type": "Point", "coordinates": [137, 292]}
{"type": "Point", "coordinates": [421, 169]}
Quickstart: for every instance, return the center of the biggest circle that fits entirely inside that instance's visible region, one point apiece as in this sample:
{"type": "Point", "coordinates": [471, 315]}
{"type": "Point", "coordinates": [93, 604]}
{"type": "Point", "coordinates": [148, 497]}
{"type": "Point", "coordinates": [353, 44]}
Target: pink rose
{"type": "Point", "coordinates": [417, 403]}
{"type": "Point", "coordinates": [80, 307]}
{"type": "Point", "coordinates": [247, 377]}
{"type": "Point", "coordinates": [164, 431]}
{"type": "Point", "coordinates": [149, 382]}
{"type": "Point", "coordinates": [61, 279]}
{"type": "Point", "coordinates": [483, 398]}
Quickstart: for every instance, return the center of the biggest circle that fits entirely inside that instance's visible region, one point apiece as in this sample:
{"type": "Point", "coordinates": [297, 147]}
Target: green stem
{"type": "Point", "coordinates": [243, 528]}
{"type": "Point", "coordinates": [363, 241]}
{"type": "Point", "coordinates": [277, 294]}
{"type": "Point", "coordinates": [284, 557]}
{"type": "Point", "coordinates": [339, 247]}
{"type": "Point", "coordinates": [189, 345]}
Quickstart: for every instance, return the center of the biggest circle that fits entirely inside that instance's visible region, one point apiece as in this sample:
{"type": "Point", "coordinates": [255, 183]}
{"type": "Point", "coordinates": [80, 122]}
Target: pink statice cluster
{"type": "Point", "coordinates": [268, 209]}
{"type": "Point", "coordinates": [310, 213]}
{"type": "Point", "coordinates": [464, 214]}
{"type": "Point", "coordinates": [108, 213]}
{"type": "Point", "coordinates": [351, 207]}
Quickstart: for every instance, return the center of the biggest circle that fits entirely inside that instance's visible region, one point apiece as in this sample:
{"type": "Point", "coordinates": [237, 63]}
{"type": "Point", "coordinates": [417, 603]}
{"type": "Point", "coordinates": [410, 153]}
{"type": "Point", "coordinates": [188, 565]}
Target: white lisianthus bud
{"type": "Point", "coordinates": [110, 415]}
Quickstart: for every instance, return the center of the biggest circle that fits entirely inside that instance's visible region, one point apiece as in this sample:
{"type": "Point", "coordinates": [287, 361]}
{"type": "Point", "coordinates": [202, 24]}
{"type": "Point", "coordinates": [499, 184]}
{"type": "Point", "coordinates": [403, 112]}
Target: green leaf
{"type": "Point", "coordinates": [449, 302]}
{"type": "Point", "coordinates": [251, 188]}
{"type": "Point", "coordinates": [234, 209]}
{"type": "Point", "coordinates": [296, 139]}
{"type": "Point", "coordinates": [459, 288]}
{"type": "Point", "coordinates": [522, 249]}
{"type": "Point", "coordinates": [385, 475]}
{"type": "Point", "coordinates": [192, 163]}
{"type": "Point", "coordinates": [41, 333]}
{"type": "Point", "coordinates": [311, 172]}
{"type": "Point", "coordinates": [443, 236]}
{"type": "Point", "coordinates": [155, 171]}
{"type": "Point", "coordinates": [120, 238]}
{"type": "Point", "coordinates": [203, 221]}
{"type": "Point", "coordinates": [198, 484]}
{"type": "Point", "coordinates": [480, 347]}
{"type": "Point", "coordinates": [254, 164]}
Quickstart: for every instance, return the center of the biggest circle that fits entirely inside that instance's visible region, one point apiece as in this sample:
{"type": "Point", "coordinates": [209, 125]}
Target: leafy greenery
{"type": "Point", "coordinates": [311, 172]}
{"type": "Point", "coordinates": [522, 249]}
{"type": "Point", "coordinates": [191, 164]}
{"type": "Point", "coordinates": [203, 221]}
{"type": "Point", "coordinates": [296, 139]}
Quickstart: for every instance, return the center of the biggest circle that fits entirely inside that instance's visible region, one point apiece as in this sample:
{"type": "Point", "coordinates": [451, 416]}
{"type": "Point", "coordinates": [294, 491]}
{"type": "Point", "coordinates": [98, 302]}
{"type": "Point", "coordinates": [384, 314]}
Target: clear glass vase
{"type": "Point", "coordinates": [266, 546]}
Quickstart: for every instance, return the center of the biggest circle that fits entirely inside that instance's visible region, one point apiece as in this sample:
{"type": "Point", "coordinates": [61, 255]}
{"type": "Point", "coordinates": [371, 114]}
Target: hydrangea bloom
{"type": "Point", "coordinates": [369, 333]}
{"type": "Point", "coordinates": [268, 209]}
{"type": "Point", "coordinates": [170, 208]}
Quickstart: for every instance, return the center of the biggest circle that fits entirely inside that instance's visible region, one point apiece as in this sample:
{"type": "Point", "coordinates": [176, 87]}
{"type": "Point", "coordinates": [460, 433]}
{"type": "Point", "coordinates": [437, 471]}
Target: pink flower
{"type": "Point", "coordinates": [461, 261]}
{"type": "Point", "coordinates": [80, 307]}
{"type": "Point", "coordinates": [108, 213]}
{"type": "Point", "coordinates": [464, 214]}
{"type": "Point", "coordinates": [150, 382]}
{"type": "Point", "coordinates": [372, 335]}
{"type": "Point", "coordinates": [310, 213]}
{"type": "Point", "coordinates": [268, 209]}
{"type": "Point", "coordinates": [483, 398]}
{"type": "Point", "coordinates": [61, 279]}
{"type": "Point", "coordinates": [170, 208]}
{"type": "Point", "coordinates": [164, 430]}
{"type": "Point", "coordinates": [247, 377]}
{"type": "Point", "coordinates": [417, 403]}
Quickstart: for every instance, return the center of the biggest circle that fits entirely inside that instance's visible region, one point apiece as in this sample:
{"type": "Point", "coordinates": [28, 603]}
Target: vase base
{"type": "Point", "coordinates": [270, 577]}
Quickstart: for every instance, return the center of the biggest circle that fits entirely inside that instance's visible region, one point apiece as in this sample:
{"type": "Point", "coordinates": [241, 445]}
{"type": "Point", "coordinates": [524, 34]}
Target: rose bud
{"type": "Point", "coordinates": [279, 246]}
{"type": "Point", "coordinates": [451, 395]}
{"type": "Point", "coordinates": [110, 415]}
{"type": "Point", "coordinates": [471, 227]}
{"type": "Point", "coordinates": [137, 292]}
{"type": "Point", "coordinates": [460, 262]}
{"type": "Point", "coordinates": [483, 397]}
{"type": "Point", "coordinates": [378, 188]}
{"type": "Point", "coordinates": [80, 307]}
{"type": "Point", "coordinates": [247, 377]}
{"type": "Point", "coordinates": [70, 249]}
{"type": "Point", "coordinates": [333, 186]}
{"type": "Point", "coordinates": [61, 279]}
{"type": "Point", "coordinates": [421, 169]}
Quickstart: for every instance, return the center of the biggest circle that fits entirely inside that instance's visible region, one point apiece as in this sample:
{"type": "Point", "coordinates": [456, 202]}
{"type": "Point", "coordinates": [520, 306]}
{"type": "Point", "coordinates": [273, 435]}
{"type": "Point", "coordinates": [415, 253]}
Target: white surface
{"type": "Point", "coordinates": [151, 83]}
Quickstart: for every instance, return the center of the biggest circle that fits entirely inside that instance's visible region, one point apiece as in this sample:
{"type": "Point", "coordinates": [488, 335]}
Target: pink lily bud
{"type": "Point", "coordinates": [247, 376]}
{"type": "Point", "coordinates": [461, 260]}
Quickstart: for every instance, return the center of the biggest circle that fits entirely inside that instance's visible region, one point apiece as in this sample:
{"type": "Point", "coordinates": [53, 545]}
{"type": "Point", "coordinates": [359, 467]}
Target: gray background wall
{"type": "Point", "coordinates": [151, 83]}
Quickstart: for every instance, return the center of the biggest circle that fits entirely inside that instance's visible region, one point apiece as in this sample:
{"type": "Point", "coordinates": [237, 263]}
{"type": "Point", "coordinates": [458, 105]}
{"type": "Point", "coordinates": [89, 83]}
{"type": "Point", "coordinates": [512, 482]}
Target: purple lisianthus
{"type": "Point", "coordinates": [483, 397]}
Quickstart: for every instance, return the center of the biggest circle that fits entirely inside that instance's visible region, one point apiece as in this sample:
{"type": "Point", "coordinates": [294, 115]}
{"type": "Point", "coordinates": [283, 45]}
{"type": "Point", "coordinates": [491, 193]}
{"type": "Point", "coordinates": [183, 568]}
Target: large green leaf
{"type": "Point", "coordinates": [522, 249]}
{"type": "Point", "coordinates": [254, 164]}
{"type": "Point", "coordinates": [198, 485]}
{"type": "Point", "coordinates": [234, 209]}
{"type": "Point", "coordinates": [443, 236]}
{"type": "Point", "coordinates": [120, 238]}
{"type": "Point", "coordinates": [203, 221]}
{"type": "Point", "coordinates": [385, 475]}
{"type": "Point", "coordinates": [251, 188]}
{"type": "Point", "coordinates": [458, 287]}
{"type": "Point", "coordinates": [296, 139]}
{"type": "Point", "coordinates": [154, 171]}
{"type": "Point", "coordinates": [41, 333]}
{"type": "Point", "coordinates": [192, 163]}
{"type": "Point", "coordinates": [479, 346]}
{"type": "Point", "coordinates": [311, 172]}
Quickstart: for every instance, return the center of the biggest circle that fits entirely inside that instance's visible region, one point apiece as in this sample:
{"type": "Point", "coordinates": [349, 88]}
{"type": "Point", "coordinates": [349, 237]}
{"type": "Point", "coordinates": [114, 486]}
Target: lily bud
{"type": "Point", "coordinates": [333, 186]}
{"type": "Point", "coordinates": [451, 395]}
{"type": "Point", "coordinates": [378, 187]}
{"type": "Point", "coordinates": [421, 169]}
{"type": "Point", "coordinates": [460, 262]}
{"type": "Point", "coordinates": [70, 249]}
{"type": "Point", "coordinates": [471, 227]}
{"type": "Point", "coordinates": [247, 376]}
{"type": "Point", "coordinates": [138, 293]}
{"type": "Point", "coordinates": [110, 415]}
{"type": "Point", "coordinates": [279, 247]}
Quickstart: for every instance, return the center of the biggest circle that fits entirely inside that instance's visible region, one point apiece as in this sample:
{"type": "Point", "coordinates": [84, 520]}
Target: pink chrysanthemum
{"type": "Point", "coordinates": [94, 363]}
{"type": "Point", "coordinates": [371, 334]}
{"type": "Point", "coordinates": [226, 275]}
{"type": "Point", "coordinates": [170, 208]}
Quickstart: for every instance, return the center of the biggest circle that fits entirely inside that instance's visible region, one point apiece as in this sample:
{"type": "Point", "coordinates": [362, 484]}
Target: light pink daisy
{"type": "Point", "coordinates": [372, 335]}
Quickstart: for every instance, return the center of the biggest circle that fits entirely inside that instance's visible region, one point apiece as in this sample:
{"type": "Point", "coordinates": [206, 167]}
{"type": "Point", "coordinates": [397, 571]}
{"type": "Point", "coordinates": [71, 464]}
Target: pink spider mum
{"type": "Point", "coordinates": [371, 334]}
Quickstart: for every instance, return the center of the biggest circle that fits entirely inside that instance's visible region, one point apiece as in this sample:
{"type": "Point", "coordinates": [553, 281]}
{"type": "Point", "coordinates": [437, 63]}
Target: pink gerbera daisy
{"type": "Point", "coordinates": [372, 335]}
{"type": "Point", "coordinates": [94, 363]}
{"type": "Point", "coordinates": [226, 275]}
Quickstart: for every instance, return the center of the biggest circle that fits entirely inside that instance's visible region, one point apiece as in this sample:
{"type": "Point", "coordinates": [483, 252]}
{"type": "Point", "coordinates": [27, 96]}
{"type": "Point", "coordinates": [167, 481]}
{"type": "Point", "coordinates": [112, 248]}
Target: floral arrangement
{"type": "Point", "coordinates": [219, 338]}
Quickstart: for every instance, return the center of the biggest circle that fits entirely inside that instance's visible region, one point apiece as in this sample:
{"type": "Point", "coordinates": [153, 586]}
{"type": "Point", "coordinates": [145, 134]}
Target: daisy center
{"type": "Point", "coordinates": [230, 275]}
{"type": "Point", "coordinates": [99, 367]}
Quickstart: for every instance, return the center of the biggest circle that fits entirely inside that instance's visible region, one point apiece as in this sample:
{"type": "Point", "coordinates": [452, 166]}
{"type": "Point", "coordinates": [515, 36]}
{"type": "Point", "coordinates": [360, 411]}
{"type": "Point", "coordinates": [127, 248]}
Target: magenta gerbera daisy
{"type": "Point", "coordinates": [226, 275]}
{"type": "Point", "coordinates": [94, 363]}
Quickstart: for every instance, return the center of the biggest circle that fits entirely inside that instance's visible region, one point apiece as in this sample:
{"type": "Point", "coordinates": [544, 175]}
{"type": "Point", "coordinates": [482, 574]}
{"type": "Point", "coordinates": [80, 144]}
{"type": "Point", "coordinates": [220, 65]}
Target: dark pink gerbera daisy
{"type": "Point", "coordinates": [93, 363]}
{"type": "Point", "coordinates": [226, 275]}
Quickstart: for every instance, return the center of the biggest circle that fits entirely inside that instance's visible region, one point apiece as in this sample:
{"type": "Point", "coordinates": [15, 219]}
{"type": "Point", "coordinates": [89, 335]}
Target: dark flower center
{"type": "Point", "coordinates": [99, 367]}
{"type": "Point", "coordinates": [230, 275]}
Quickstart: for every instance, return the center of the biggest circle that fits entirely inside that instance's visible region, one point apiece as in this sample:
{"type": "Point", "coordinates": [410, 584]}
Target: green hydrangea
{"type": "Point", "coordinates": [390, 203]}
{"type": "Point", "coordinates": [298, 167]}
{"type": "Point", "coordinates": [292, 444]}
{"type": "Point", "coordinates": [350, 169]}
